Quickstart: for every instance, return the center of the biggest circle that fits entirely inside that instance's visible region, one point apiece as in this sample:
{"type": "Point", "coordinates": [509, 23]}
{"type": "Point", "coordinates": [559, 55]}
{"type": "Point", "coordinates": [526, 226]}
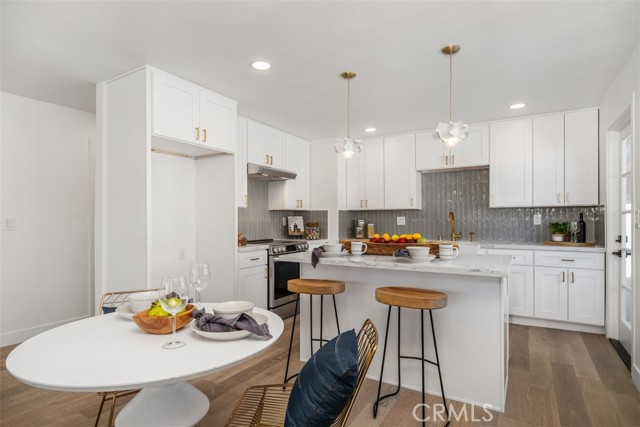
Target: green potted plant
{"type": "Point", "coordinates": [558, 230]}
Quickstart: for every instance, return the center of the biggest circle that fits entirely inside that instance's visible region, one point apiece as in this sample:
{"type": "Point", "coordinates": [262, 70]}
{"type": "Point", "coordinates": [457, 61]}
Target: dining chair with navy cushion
{"type": "Point", "coordinates": [324, 392]}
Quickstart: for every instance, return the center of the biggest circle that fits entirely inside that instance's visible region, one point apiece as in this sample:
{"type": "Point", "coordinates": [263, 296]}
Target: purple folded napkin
{"type": "Point", "coordinates": [208, 322]}
{"type": "Point", "coordinates": [315, 256]}
{"type": "Point", "coordinates": [402, 253]}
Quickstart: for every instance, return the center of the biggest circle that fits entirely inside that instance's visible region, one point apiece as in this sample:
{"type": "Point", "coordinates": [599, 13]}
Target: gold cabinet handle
{"type": "Point", "coordinates": [453, 159]}
{"type": "Point", "coordinates": [446, 160]}
{"type": "Point", "coordinates": [559, 200]}
{"type": "Point", "coordinates": [301, 203]}
{"type": "Point", "coordinates": [271, 160]}
{"type": "Point", "coordinates": [204, 135]}
{"type": "Point", "coordinates": [366, 203]}
{"type": "Point", "coordinates": [411, 201]}
{"type": "Point", "coordinates": [197, 134]}
{"type": "Point", "coordinates": [361, 203]}
{"type": "Point", "coordinates": [267, 161]}
{"type": "Point", "coordinates": [573, 277]}
{"type": "Point", "coordinates": [568, 197]}
{"type": "Point", "coordinates": [563, 277]}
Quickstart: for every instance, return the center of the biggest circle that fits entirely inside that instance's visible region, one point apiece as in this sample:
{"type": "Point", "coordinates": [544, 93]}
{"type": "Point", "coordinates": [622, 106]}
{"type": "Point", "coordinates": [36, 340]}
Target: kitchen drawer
{"type": "Point", "coordinates": [519, 257]}
{"type": "Point", "coordinates": [252, 259]}
{"type": "Point", "coordinates": [570, 259]}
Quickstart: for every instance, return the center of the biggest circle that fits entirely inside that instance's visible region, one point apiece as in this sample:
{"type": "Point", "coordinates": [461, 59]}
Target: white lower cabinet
{"type": "Point", "coordinates": [253, 279]}
{"type": "Point", "coordinates": [521, 291]}
{"type": "Point", "coordinates": [569, 294]}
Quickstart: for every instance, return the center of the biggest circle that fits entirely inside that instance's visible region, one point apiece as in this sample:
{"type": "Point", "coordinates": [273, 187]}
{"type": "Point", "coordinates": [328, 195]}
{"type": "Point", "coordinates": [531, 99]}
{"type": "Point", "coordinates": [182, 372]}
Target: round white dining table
{"type": "Point", "coordinates": [110, 353]}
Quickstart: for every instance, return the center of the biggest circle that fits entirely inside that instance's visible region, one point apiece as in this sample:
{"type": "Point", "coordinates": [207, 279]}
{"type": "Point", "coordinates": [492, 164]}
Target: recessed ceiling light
{"type": "Point", "coordinates": [517, 106]}
{"type": "Point", "coordinates": [261, 65]}
{"type": "Point", "coordinates": [370, 130]}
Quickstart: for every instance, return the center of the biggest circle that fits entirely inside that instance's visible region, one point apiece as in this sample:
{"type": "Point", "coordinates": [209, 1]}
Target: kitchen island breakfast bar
{"type": "Point", "coordinates": [472, 331]}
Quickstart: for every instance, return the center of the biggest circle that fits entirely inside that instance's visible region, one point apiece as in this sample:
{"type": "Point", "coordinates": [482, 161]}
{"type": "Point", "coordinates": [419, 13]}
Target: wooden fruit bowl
{"type": "Point", "coordinates": [162, 325]}
{"type": "Point", "coordinates": [391, 248]}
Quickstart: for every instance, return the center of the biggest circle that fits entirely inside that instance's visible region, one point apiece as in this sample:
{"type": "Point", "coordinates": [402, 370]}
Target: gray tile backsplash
{"type": "Point", "coordinates": [257, 222]}
{"type": "Point", "coordinates": [466, 193]}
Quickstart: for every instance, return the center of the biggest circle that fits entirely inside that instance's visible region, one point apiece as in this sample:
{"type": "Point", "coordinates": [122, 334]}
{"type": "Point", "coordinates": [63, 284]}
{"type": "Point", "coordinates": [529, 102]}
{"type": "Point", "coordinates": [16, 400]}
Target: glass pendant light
{"type": "Point", "coordinates": [348, 146]}
{"type": "Point", "coordinates": [451, 133]}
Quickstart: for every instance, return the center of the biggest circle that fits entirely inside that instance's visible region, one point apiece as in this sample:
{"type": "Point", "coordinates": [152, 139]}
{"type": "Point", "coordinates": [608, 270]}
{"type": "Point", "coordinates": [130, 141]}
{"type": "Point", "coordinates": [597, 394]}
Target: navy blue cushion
{"type": "Point", "coordinates": [325, 384]}
{"type": "Point", "coordinates": [106, 310]}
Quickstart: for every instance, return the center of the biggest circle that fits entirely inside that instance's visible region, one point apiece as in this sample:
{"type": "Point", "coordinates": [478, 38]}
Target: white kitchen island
{"type": "Point", "coordinates": [472, 331]}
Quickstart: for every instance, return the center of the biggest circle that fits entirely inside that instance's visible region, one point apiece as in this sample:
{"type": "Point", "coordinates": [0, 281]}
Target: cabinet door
{"type": "Point", "coordinates": [521, 291]}
{"type": "Point", "coordinates": [373, 176]}
{"type": "Point", "coordinates": [400, 172]}
{"type": "Point", "coordinates": [257, 143]}
{"type": "Point", "coordinates": [253, 285]}
{"type": "Point", "coordinates": [581, 158]}
{"type": "Point", "coordinates": [216, 121]}
{"type": "Point", "coordinates": [474, 150]}
{"type": "Point", "coordinates": [303, 174]}
{"type": "Point", "coordinates": [586, 296]}
{"type": "Point", "coordinates": [431, 154]}
{"type": "Point", "coordinates": [276, 148]}
{"type": "Point", "coordinates": [241, 164]}
{"type": "Point", "coordinates": [550, 293]}
{"type": "Point", "coordinates": [175, 108]}
{"type": "Point", "coordinates": [355, 181]}
{"type": "Point", "coordinates": [548, 160]}
{"type": "Point", "coordinates": [510, 166]}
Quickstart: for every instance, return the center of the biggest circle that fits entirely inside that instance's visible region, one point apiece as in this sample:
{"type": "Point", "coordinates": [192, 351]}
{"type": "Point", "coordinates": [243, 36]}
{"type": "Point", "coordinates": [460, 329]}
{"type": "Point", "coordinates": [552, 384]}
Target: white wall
{"type": "Point", "coordinates": [46, 277]}
{"type": "Point", "coordinates": [618, 97]}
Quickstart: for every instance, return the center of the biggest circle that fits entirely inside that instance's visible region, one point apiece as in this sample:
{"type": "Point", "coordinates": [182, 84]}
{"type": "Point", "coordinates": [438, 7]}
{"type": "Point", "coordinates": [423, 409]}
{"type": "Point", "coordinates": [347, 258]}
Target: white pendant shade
{"type": "Point", "coordinates": [451, 133]}
{"type": "Point", "coordinates": [348, 147]}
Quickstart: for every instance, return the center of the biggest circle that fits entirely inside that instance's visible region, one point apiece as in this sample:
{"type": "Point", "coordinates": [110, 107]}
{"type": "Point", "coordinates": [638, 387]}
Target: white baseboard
{"type": "Point", "coordinates": [635, 376]}
{"type": "Point", "coordinates": [15, 337]}
{"type": "Point", "coordinates": [554, 324]}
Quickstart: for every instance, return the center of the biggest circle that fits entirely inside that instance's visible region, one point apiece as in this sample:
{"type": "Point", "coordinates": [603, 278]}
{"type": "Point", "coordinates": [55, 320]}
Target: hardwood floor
{"type": "Point", "coordinates": [556, 378]}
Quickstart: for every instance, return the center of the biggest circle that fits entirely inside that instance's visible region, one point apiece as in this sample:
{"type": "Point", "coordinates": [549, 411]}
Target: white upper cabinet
{"type": "Point", "coordinates": [548, 160]}
{"type": "Point", "coordinates": [293, 194]}
{"type": "Point", "coordinates": [187, 113]}
{"type": "Point", "coordinates": [402, 187]}
{"type": "Point", "coordinates": [365, 177]}
{"type": "Point", "coordinates": [565, 159]}
{"type": "Point", "coordinates": [581, 157]}
{"type": "Point", "coordinates": [510, 166]}
{"type": "Point", "coordinates": [266, 145]}
{"type": "Point", "coordinates": [242, 197]}
{"type": "Point", "coordinates": [472, 152]}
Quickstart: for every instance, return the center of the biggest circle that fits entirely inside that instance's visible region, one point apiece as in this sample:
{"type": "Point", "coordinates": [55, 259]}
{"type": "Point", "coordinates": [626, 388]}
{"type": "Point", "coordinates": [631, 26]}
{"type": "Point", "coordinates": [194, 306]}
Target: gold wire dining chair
{"type": "Point", "coordinates": [114, 300]}
{"type": "Point", "coordinates": [266, 405]}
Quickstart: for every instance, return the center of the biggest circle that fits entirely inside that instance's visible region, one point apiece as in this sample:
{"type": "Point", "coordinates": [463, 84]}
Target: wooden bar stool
{"type": "Point", "coordinates": [312, 287]}
{"type": "Point", "coordinates": [420, 299]}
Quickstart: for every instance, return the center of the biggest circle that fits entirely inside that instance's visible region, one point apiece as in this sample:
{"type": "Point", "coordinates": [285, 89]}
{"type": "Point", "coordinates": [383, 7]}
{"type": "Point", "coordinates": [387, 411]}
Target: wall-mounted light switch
{"type": "Point", "coordinates": [400, 220]}
{"type": "Point", "coordinates": [9, 224]}
{"type": "Point", "coordinates": [537, 219]}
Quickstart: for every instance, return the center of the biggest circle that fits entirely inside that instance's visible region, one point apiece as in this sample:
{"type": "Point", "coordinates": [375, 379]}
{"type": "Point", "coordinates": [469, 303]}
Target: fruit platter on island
{"type": "Point", "coordinates": [386, 244]}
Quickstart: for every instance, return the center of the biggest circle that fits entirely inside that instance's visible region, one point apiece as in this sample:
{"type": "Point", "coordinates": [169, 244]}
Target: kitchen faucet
{"type": "Point", "coordinates": [452, 221]}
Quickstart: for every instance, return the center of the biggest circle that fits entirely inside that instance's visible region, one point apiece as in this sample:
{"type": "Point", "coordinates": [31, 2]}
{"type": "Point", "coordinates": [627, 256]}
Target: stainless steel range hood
{"type": "Point", "coordinates": [267, 173]}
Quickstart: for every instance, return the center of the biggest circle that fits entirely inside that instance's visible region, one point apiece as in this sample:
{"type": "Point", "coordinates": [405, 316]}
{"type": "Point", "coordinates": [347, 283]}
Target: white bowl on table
{"type": "Point", "coordinates": [332, 247]}
{"type": "Point", "coordinates": [141, 301]}
{"type": "Point", "coordinates": [421, 252]}
{"type": "Point", "coordinates": [231, 309]}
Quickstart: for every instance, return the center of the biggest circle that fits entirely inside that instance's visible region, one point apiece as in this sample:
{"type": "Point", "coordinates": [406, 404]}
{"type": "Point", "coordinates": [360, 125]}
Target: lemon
{"type": "Point", "coordinates": [385, 236]}
{"type": "Point", "coordinates": [376, 236]}
{"type": "Point", "coordinates": [416, 236]}
{"type": "Point", "coordinates": [395, 237]}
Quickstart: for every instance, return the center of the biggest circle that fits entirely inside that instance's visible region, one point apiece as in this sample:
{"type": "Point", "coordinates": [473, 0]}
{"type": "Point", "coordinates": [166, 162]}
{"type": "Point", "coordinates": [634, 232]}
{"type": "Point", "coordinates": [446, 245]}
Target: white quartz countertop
{"type": "Point", "coordinates": [540, 247]}
{"type": "Point", "coordinates": [253, 247]}
{"type": "Point", "coordinates": [468, 265]}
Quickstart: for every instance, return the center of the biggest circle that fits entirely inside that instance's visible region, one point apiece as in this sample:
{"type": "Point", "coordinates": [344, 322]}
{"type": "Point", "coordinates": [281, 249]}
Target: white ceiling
{"type": "Point", "coordinates": [551, 55]}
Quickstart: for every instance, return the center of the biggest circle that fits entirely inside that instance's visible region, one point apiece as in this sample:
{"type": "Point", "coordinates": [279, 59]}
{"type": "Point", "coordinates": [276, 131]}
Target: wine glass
{"type": "Point", "coordinates": [173, 296]}
{"type": "Point", "coordinates": [199, 277]}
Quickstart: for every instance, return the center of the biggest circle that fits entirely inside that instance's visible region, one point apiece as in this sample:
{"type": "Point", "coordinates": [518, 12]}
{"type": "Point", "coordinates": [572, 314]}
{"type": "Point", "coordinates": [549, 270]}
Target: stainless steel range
{"type": "Point", "coordinates": [280, 300]}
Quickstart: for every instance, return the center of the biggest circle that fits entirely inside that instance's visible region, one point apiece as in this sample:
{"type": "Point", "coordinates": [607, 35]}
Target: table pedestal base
{"type": "Point", "coordinates": [175, 405]}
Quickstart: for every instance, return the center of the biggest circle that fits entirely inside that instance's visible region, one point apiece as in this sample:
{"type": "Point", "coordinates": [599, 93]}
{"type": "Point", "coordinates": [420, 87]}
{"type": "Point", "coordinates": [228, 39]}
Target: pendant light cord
{"type": "Point", "coordinates": [348, 108]}
{"type": "Point", "coordinates": [450, 86]}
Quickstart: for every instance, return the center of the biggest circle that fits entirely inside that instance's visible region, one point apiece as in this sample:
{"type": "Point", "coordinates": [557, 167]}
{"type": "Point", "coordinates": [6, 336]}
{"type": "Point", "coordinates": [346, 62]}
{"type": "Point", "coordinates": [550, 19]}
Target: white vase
{"type": "Point", "coordinates": [557, 237]}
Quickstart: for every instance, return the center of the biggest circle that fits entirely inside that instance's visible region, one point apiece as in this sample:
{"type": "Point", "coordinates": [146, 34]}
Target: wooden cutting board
{"type": "Point", "coordinates": [576, 245]}
{"type": "Point", "coordinates": [391, 248]}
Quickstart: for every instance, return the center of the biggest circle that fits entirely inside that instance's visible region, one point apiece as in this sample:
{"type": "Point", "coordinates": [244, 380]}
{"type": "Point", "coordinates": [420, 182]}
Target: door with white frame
{"type": "Point", "coordinates": [625, 238]}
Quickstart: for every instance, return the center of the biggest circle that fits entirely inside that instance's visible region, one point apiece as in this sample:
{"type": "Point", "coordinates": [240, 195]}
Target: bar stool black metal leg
{"type": "Point", "coordinates": [321, 319]}
{"type": "Point", "coordinates": [293, 331]}
{"type": "Point", "coordinates": [435, 347]}
{"type": "Point", "coordinates": [384, 356]}
{"type": "Point", "coordinates": [424, 418]}
{"type": "Point", "coordinates": [379, 399]}
{"type": "Point", "coordinates": [311, 323]}
{"type": "Point", "coordinates": [335, 309]}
